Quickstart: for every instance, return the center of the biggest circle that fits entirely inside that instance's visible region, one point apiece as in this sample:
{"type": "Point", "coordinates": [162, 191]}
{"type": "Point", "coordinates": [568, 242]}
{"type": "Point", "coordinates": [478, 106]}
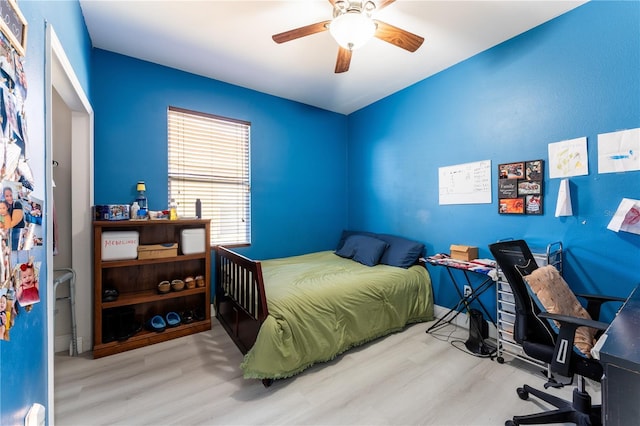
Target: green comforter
{"type": "Point", "coordinates": [320, 305]}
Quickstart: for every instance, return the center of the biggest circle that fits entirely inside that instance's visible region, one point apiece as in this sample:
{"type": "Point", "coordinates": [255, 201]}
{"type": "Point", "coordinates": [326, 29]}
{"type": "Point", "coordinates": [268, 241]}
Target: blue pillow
{"type": "Point", "coordinates": [346, 250]}
{"type": "Point", "coordinates": [346, 234]}
{"type": "Point", "coordinates": [401, 251]}
{"type": "Point", "coordinates": [363, 249]}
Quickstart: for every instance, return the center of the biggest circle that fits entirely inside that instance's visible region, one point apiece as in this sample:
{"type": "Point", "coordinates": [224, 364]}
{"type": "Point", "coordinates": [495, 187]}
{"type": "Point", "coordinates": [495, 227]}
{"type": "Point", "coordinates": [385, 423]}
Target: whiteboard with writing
{"type": "Point", "coordinates": [468, 183]}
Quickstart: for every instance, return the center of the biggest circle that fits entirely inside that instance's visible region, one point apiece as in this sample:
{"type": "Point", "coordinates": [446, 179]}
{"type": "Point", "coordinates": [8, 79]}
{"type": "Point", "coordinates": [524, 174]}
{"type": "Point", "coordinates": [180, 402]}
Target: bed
{"type": "Point", "coordinates": [290, 313]}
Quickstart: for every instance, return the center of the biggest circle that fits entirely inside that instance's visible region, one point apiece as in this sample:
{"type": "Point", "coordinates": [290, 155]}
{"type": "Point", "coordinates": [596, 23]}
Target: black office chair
{"type": "Point", "coordinates": [542, 342]}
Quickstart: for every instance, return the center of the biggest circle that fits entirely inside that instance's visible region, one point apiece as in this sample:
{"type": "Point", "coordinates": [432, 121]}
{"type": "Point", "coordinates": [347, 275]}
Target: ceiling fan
{"type": "Point", "coordinates": [352, 25]}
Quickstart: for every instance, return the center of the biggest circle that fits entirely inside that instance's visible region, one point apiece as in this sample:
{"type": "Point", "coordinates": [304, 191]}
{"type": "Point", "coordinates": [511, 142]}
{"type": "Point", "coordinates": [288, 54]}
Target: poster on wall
{"type": "Point", "coordinates": [619, 152]}
{"type": "Point", "coordinates": [520, 187]}
{"type": "Point", "coordinates": [626, 217]}
{"type": "Point", "coordinates": [568, 158]}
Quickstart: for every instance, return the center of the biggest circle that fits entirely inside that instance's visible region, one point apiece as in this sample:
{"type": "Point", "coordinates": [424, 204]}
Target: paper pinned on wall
{"type": "Point", "coordinates": [568, 158]}
{"type": "Point", "coordinates": [619, 151]}
{"type": "Point", "coordinates": [627, 217]}
{"type": "Point", "coordinates": [563, 206]}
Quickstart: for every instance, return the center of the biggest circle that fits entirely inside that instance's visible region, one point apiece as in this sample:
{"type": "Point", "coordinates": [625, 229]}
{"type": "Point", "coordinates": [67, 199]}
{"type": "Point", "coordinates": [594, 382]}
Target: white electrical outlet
{"type": "Point", "coordinates": [467, 290]}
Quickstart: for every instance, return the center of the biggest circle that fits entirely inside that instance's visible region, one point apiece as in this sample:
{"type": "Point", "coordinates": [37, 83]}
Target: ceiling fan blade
{"type": "Point", "coordinates": [398, 36]}
{"type": "Point", "coordinates": [384, 3]}
{"type": "Point", "coordinates": [318, 27]}
{"type": "Point", "coordinates": [344, 60]}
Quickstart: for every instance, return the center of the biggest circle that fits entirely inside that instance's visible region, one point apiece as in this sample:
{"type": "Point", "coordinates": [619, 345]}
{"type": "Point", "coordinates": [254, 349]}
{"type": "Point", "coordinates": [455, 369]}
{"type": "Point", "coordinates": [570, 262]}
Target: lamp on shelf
{"type": "Point", "coordinates": [352, 25]}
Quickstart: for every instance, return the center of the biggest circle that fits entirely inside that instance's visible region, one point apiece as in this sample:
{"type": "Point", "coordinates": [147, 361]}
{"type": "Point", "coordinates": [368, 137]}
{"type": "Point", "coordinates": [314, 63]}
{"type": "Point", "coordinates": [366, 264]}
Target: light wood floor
{"type": "Point", "coordinates": [408, 378]}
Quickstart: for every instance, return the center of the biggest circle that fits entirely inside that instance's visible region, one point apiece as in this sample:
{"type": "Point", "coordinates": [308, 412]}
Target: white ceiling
{"type": "Point", "coordinates": [231, 41]}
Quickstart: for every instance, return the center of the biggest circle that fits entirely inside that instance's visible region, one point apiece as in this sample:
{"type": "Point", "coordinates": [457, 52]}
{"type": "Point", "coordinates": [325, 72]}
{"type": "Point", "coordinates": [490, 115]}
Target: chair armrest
{"type": "Point", "coordinates": [574, 322]}
{"type": "Point", "coordinates": [595, 301]}
{"type": "Point", "coordinates": [564, 344]}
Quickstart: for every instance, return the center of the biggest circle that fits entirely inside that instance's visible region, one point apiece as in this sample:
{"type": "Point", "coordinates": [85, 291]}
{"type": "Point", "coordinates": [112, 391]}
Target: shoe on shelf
{"type": "Point", "coordinates": [198, 314]}
{"type": "Point", "coordinates": [187, 316]}
{"type": "Point", "coordinates": [173, 319]}
{"type": "Point", "coordinates": [129, 331]}
{"type": "Point", "coordinates": [109, 294]}
{"type": "Point", "coordinates": [119, 324]}
{"type": "Point", "coordinates": [157, 324]}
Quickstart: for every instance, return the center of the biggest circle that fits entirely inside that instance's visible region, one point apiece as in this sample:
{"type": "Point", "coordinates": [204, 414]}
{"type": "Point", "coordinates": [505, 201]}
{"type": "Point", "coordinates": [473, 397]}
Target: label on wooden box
{"type": "Point", "coordinates": [157, 251]}
{"type": "Point", "coordinates": [119, 245]}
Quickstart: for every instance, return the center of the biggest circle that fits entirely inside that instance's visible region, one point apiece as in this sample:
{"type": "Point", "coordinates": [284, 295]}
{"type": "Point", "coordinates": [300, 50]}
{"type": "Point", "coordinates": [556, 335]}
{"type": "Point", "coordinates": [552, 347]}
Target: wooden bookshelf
{"type": "Point", "coordinates": [136, 282]}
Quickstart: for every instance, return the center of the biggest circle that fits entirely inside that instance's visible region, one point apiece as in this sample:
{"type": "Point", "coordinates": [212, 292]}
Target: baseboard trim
{"type": "Point", "coordinates": [62, 343]}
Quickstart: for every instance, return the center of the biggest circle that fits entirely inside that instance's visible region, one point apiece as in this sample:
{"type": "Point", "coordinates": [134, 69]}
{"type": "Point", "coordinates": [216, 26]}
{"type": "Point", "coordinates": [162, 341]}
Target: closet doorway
{"type": "Point", "coordinates": [68, 164]}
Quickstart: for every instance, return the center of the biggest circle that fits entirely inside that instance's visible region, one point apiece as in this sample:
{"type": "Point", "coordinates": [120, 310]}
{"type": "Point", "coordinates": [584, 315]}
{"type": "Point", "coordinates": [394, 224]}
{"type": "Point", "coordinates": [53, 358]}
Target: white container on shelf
{"type": "Point", "coordinates": [120, 245]}
{"type": "Point", "coordinates": [192, 241]}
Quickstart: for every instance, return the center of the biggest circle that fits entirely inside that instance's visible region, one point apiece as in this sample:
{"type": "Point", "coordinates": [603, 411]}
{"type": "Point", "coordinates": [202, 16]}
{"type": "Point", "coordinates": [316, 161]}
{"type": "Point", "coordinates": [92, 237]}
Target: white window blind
{"type": "Point", "coordinates": [209, 160]}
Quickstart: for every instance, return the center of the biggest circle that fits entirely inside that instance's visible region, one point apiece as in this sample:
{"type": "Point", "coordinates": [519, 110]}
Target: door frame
{"type": "Point", "coordinates": [59, 74]}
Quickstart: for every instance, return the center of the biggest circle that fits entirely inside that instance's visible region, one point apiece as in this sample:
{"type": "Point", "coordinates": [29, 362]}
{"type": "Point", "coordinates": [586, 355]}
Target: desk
{"type": "Point", "coordinates": [451, 265]}
{"type": "Point", "coordinates": [619, 349]}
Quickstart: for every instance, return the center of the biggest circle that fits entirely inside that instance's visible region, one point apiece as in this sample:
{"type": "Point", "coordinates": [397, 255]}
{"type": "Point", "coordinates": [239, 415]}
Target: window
{"type": "Point", "coordinates": [209, 161]}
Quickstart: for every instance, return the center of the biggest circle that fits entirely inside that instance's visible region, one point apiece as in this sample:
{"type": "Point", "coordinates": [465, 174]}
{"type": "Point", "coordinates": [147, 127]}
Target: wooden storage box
{"type": "Point", "coordinates": [461, 252]}
{"type": "Point", "coordinates": [157, 251]}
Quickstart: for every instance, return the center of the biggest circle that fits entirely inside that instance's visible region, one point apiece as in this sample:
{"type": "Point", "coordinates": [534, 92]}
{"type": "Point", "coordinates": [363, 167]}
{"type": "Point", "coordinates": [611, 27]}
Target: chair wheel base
{"type": "Point", "coordinates": [522, 393]}
{"type": "Point", "coordinates": [578, 411]}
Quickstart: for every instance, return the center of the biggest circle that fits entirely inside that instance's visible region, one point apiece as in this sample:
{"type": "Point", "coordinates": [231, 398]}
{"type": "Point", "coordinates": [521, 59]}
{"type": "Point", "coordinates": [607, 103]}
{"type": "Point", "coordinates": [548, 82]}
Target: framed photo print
{"type": "Point", "coordinates": [511, 205]}
{"type": "Point", "coordinates": [530, 187]}
{"type": "Point", "coordinates": [511, 171]}
{"type": "Point", "coordinates": [533, 204]}
{"type": "Point", "coordinates": [534, 170]}
{"type": "Point", "coordinates": [520, 187]}
{"type": "Point", "coordinates": [13, 25]}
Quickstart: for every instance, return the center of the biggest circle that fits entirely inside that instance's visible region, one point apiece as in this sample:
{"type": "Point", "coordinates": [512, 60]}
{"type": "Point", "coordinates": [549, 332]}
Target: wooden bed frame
{"type": "Point", "coordinates": [241, 303]}
{"type": "Point", "coordinates": [240, 299]}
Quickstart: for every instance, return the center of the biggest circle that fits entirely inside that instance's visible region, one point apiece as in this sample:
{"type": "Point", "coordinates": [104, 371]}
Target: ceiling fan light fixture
{"type": "Point", "coordinates": [352, 29]}
{"type": "Point", "coordinates": [352, 26]}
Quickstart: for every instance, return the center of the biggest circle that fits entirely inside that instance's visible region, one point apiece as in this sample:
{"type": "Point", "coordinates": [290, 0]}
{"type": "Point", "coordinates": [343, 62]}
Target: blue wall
{"type": "Point", "coordinates": [315, 172]}
{"type": "Point", "coordinates": [298, 153]}
{"type": "Point", "coordinates": [572, 77]}
{"type": "Point", "coordinates": [23, 359]}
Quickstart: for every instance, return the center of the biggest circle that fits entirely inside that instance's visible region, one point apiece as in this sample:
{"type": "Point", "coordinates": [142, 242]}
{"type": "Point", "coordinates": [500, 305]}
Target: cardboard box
{"type": "Point", "coordinates": [157, 251]}
{"type": "Point", "coordinates": [119, 245]}
{"type": "Point", "coordinates": [111, 212]}
{"type": "Point", "coordinates": [461, 252]}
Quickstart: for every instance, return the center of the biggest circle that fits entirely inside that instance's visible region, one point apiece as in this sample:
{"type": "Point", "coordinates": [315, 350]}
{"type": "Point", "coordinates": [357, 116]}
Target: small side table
{"type": "Point", "coordinates": [490, 277]}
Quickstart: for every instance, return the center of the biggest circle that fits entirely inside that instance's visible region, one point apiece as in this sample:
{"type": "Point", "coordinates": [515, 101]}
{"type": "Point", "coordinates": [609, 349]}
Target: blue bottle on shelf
{"type": "Point", "coordinates": [141, 199]}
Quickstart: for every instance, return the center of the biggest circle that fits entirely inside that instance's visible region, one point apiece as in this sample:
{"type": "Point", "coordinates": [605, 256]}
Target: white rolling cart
{"type": "Point", "coordinates": [551, 255]}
